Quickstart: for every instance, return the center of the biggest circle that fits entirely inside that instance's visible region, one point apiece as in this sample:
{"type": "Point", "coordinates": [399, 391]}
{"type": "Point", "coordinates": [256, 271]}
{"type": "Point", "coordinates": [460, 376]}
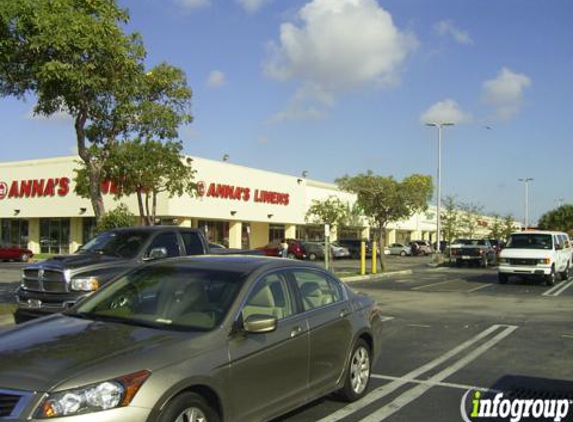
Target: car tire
{"type": "Point", "coordinates": [188, 407]}
{"type": "Point", "coordinates": [312, 256]}
{"type": "Point", "coordinates": [357, 373]}
{"type": "Point", "coordinates": [403, 253]}
{"type": "Point", "coordinates": [550, 279]}
{"type": "Point", "coordinates": [565, 274]}
{"type": "Point", "coordinates": [291, 256]}
{"type": "Point", "coordinates": [502, 278]}
{"type": "Point", "coordinates": [24, 257]}
{"type": "Point", "coordinates": [484, 262]}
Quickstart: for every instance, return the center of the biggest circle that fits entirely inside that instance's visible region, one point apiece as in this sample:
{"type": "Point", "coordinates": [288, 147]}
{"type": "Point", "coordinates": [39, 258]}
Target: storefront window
{"type": "Point", "coordinates": [88, 229]}
{"type": "Point", "coordinates": [276, 232]}
{"type": "Point", "coordinates": [349, 232]}
{"type": "Point", "coordinates": [55, 235]}
{"type": "Point", "coordinates": [215, 231]}
{"type": "Point", "coordinates": [15, 232]}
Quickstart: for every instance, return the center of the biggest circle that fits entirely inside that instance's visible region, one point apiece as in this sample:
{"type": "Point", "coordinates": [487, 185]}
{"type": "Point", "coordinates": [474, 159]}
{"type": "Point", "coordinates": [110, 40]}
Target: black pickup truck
{"type": "Point", "coordinates": [473, 251]}
{"type": "Point", "coordinates": [57, 283]}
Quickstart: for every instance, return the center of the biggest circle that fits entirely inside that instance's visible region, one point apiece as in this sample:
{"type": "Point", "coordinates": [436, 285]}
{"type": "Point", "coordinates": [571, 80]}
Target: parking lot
{"type": "Point", "coordinates": [449, 330]}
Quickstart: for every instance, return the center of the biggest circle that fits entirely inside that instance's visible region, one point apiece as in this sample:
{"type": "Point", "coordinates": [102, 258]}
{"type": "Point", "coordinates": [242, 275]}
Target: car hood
{"type": "Point", "coordinates": [525, 253]}
{"type": "Point", "coordinates": [43, 353]}
{"type": "Point", "coordinates": [76, 261]}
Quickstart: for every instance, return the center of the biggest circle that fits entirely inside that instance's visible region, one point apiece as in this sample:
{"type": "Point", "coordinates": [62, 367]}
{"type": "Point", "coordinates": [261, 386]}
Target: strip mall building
{"type": "Point", "coordinates": [238, 206]}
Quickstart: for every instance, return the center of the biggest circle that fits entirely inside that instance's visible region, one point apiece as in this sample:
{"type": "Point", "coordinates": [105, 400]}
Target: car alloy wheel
{"type": "Point", "coordinates": [358, 373]}
{"type": "Point", "coordinates": [312, 257]}
{"type": "Point", "coordinates": [551, 277]}
{"type": "Point", "coordinates": [24, 257]}
{"type": "Point", "coordinates": [188, 407]}
{"type": "Point", "coordinates": [193, 414]}
{"type": "Point", "coordinates": [360, 370]}
{"type": "Point", "coordinates": [291, 256]}
{"type": "Point", "coordinates": [403, 253]}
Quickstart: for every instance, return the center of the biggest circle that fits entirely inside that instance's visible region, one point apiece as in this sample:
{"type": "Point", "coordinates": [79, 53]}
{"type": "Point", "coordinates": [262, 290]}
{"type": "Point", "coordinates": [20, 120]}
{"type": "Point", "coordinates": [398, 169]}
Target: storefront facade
{"type": "Point", "coordinates": [237, 206]}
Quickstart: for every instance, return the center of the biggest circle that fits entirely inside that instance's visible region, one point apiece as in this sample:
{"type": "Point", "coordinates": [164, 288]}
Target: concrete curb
{"type": "Point", "coordinates": [374, 277]}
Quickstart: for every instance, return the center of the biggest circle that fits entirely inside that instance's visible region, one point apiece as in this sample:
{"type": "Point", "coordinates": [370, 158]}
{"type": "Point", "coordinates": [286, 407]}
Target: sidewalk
{"type": "Point", "coordinates": [6, 319]}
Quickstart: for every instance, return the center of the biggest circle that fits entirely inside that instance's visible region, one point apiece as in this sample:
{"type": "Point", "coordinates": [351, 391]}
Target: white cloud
{"type": "Point", "coordinates": [310, 102]}
{"type": "Point", "coordinates": [446, 111]}
{"type": "Point", "coordinates": [216, 79]}
{"type": "Point", "coordinates": [59, 117]}
{"type": "Point", "coordinates": [252, 6]}
{"type": "Point", "coordinates": [194, 4]}
{"type": "Point", "coordinates": [340, 45]}
{"type": "Point", "coordinates": [505, 93]}
{"type": "Point", "coordinates": [447, 27]}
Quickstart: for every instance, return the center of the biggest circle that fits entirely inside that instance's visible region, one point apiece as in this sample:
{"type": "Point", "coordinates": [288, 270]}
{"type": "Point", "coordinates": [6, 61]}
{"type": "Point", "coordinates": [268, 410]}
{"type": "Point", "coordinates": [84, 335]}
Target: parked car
{"type": "Point", "coordinates": [399, 249]}
{"type": "Point", "coordinates": [423, 247]}
{"type": "Point", "coordinates": [536, 254]}
{"type": "Point", "coordinates": [314, 250]}
{"type": "Point", "coordinates": [339, 251]}
{"type": "Point", "coordinates": [295, 249]}
{"type": "Point", "coordinates": [353, 246]}
{"type": "Point", "coordinates": [57, 283]}
{"type": "Point", "coordinates": [10, 252]}
{"type": "Point", "coordinates": [473, 251]}
{"type": "Point", "coordinates": [217, 338]}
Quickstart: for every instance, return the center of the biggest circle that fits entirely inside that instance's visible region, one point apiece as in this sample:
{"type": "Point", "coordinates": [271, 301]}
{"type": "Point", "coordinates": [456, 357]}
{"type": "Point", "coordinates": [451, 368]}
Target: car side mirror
{"type": "Point", "coordinates": [558, 247]}
{"type": "Point", "coordinates": [156, 253]}
{"type": "Point", "coordinates": [256, 324]}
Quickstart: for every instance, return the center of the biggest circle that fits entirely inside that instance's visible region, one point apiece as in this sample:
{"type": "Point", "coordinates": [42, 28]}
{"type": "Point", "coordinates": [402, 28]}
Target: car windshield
{"type": "Point", "coordinates": [123, 244]}
{"type": "Point", "coordinates": [165, 297]}
{"type": "Point", "coordinates": [530, 241]}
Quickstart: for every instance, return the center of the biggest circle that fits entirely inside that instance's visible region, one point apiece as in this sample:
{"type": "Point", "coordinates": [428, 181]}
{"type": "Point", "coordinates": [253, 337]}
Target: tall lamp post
{"type": "Point", "coordinates": [526, 181]}
{"type": "Point", "coordinates": [440, 127]}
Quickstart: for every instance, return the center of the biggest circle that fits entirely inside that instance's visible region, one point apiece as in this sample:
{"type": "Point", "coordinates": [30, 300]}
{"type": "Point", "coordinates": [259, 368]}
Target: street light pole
{"type": "Point", "coordinates": [526, 181]}
{"type": "Point", "coordinates": [440, 127]}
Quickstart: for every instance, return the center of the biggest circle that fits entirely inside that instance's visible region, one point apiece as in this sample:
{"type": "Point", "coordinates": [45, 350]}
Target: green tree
{"type": "Point", "coordinates": [118, 217]}
{"type": "Point", "coordinates": [145, 169]}
{"type": "Point", "coordinates": [508, 227]}
{"type": "Point", "coordinates": [75, 57]}
{"type": "Point", "coordinates": [354, 217]}
{"type": "Point", "coordinates": [470, 216]}
{"type": "Point", "coordinates": [496, 229]}
{"type": "Point", "coordinates": [559, 219]}
{"type": "Point", "coordinates": [450, 219]}
{"type": "Point", "coordinates": [385, 200]}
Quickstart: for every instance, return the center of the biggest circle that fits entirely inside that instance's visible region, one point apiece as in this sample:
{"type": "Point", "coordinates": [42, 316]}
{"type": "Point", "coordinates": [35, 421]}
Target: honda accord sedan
{"type": "Point", "coordinates": [202, 339]}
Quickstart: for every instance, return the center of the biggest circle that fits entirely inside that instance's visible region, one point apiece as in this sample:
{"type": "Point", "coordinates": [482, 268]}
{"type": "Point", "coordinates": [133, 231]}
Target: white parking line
{"type": "Point", "coordinates": [558, 289]}
{"type": "Point", "coordinates": [389, 388]}
{"type": "Point", "coordinates": [412, 394]}
{"type": "Point", "coordinates": [479, 288]}
{"type": "Point", "coordinates": [463, 387]}
{"type": "Point", "coordinates": [433, 284]}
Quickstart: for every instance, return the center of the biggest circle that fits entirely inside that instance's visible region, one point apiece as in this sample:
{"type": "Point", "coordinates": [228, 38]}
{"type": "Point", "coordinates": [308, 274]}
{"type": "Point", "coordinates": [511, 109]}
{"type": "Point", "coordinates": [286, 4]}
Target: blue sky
{"type": "Point", "coordinates": [337, 87]}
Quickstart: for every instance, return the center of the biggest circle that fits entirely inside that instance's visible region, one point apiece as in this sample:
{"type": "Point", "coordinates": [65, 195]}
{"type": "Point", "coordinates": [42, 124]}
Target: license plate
{"type": "Point", "coordinates": [34, 303]}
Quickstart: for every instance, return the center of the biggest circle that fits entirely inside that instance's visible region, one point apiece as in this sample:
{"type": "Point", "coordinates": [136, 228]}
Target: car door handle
{"type": "Point", "coordinates": [295, 332]}
{"type": "Point", "coordinates": [343, 313]}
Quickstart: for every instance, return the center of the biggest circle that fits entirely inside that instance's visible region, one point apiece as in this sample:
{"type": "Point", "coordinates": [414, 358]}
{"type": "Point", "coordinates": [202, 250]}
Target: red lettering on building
{"type": "Point", "coordinates": [38, 188]}
{"type": "Point", "coordinates": [240, 193]}
{"type": "Point", "coordinates": [64, 186]}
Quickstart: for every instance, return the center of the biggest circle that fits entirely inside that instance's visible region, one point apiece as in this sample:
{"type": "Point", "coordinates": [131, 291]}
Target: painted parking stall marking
{"type": "Point", "coordinates": [410, 395]}
{"type": "Point", "coordinates": [558, 289]}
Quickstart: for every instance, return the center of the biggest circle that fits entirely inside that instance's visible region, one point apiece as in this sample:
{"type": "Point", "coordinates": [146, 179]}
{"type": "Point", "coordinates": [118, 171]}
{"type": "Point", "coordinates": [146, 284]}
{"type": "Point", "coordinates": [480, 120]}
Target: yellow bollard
{"type": "Point", "coordinates": [362, 258]}
{"type": "Point", "coordinates": [374, 266]}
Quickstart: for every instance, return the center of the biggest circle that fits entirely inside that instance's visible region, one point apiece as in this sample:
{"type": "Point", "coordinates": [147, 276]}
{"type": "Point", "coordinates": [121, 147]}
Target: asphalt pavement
{"type": "Point", "coordinates": [449, 331]}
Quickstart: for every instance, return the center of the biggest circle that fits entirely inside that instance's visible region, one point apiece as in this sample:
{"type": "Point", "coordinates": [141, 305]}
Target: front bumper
{"type": "Point", "coordinates": [538, 270]}
{"type": "Point", "coordinates": [37, 304]}
{"type": "Point", "coordinates": [122, 414]}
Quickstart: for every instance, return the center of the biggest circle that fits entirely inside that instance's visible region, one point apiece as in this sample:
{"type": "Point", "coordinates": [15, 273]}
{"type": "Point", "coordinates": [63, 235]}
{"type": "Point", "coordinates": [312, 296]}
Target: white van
{"type": "Point", "coordinates": [535, 253]}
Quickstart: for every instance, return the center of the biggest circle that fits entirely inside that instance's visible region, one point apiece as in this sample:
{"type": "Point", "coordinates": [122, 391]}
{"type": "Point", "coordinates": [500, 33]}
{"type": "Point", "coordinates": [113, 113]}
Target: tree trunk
{"type": "Point", "coordinates": [92, 165]}
{"type": "Point", "coordinates": [382, 244]}
{"type": "Point", "coordinates": [147, 214]}
{"type": "Point", "coordinates": [140, 206]}
{"type": "Point", "coordinates": [154, 207]}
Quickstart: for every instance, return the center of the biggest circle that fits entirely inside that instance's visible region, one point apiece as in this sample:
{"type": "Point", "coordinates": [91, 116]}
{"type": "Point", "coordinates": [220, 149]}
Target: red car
{"type": "Point", "coordinates": [295, 249]}
{"type": "Point", "coordinates": [14, 253]}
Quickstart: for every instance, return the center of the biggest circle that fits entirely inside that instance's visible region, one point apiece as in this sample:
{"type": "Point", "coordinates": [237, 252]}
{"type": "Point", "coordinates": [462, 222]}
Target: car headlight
{"type": "Point", "coordinates": [544, 261]}
{"type": "Point", "coordinates": [85, 284]}
{"type": "Point", "coordinates": [106, 395]}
